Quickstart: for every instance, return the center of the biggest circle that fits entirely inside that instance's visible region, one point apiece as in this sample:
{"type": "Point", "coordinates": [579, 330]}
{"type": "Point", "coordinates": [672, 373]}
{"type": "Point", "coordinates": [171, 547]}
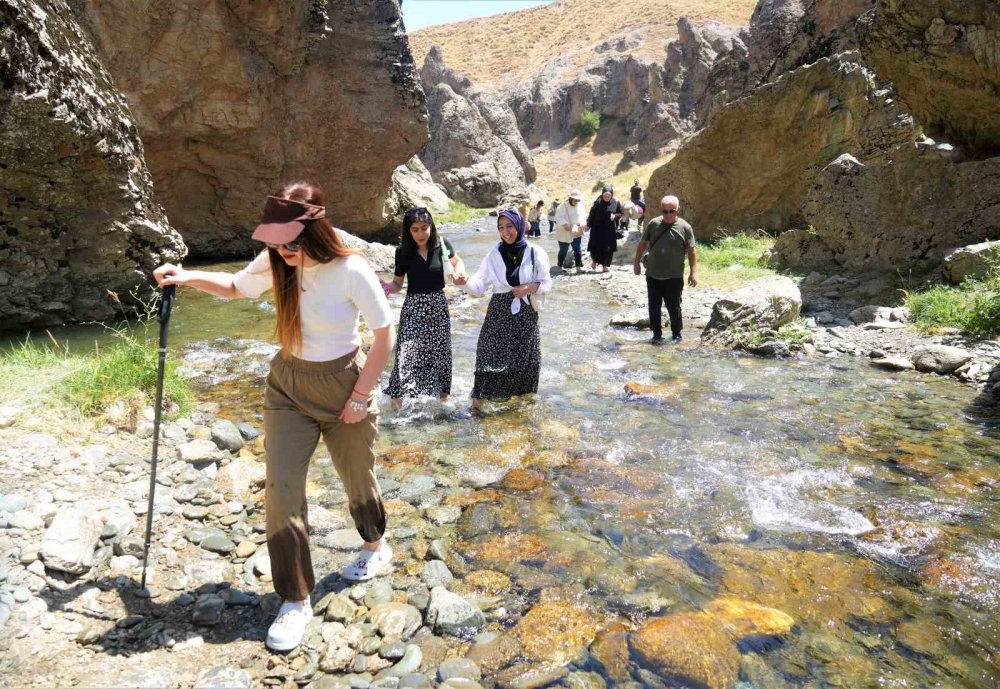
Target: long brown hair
{"type": "Point", "coordinates": [319, 242]}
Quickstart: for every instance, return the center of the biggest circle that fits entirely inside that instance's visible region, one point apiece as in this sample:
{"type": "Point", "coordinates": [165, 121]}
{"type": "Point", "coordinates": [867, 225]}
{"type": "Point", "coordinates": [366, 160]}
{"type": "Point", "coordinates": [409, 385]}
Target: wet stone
{"type": "Point", "coordinates": [372, 644]}
{"type": "Point", "coordinates": [392, 650]}
{"type": "Point", "coordinates": [247, 431]}
{"type": "Point", "coordinates": [436, 573]}
{"type": "Point", "coordinates": [414, 681]}
{"type": "Point", "coordinates": [226, 436]}
{"type": "Point", "coordinates": [449, 613]}
{"type": "Point", "coordinates": [458, 667]}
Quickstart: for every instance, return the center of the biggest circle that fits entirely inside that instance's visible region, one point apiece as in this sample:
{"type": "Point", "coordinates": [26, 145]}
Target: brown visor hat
{"type": "Point", "coordinates": [285, 219]}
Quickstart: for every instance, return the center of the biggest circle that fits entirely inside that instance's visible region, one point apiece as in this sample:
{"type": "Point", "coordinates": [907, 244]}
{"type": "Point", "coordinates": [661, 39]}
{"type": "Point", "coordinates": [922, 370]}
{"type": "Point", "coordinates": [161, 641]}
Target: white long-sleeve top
{"type": "Point", "coordinates": [492, 273]}
{"type": "Point", "coordinates": [569, 215]}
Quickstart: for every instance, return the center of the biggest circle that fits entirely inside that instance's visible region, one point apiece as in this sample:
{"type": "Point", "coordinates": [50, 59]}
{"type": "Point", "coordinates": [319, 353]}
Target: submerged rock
{"type": "Point", "coordinates": [692, 648]}
{"type": "Point", "coordinates": [555, 632]}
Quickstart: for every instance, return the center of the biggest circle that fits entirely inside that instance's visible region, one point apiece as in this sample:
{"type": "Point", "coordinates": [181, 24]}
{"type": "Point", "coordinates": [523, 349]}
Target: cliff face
{"type": "Point", "coordinates": [944, 58]}
{"type": "Point", "coordinates": [475, 150]}
{"type": "Point", "coordinates": [751, 167]}
{"type": "Point", "coordinates": [658, 101]}
{"type": "Point", "coordinates": [77, 216]}
{"type": "Point", "coordinates": [232, 98]}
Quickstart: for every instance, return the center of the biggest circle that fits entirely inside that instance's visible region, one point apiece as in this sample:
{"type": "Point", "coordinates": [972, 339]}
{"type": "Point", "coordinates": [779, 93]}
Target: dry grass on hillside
{"type": "Point", "coordinates": [499, 51]}
{"type": "Point", "coordinates": [585, 164]}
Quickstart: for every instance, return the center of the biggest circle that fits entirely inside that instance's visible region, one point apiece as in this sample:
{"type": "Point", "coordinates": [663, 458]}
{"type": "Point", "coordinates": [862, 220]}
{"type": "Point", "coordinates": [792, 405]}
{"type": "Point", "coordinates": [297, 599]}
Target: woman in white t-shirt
{"type": "Point", "coordinates": [320, 384]}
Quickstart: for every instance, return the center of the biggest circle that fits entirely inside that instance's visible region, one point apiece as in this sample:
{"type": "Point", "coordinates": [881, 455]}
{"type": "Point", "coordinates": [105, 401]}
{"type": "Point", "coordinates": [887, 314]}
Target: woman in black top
{"type": "Point", "coordinates": [422, 364]}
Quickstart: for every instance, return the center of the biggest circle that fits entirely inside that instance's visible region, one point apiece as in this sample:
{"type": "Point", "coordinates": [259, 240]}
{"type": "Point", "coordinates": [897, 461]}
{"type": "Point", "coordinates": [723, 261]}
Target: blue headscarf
{"type": "Point", "coordinates": [515, 217]}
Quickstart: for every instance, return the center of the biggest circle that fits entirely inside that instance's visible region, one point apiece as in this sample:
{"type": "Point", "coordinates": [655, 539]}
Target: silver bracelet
{"type": "Point", "coordinates": [358, 405]}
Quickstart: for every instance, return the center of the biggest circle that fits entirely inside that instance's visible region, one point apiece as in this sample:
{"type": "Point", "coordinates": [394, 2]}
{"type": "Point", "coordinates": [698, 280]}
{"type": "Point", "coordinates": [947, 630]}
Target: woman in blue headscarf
{"type": "Point", "coordinates": [509, 354]}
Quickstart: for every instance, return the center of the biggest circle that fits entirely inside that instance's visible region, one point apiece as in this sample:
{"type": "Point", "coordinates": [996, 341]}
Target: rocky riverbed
{"type": "Point", "coordinates": [841, 320]}
{"type": "Point", "coordinates": [657, 515]}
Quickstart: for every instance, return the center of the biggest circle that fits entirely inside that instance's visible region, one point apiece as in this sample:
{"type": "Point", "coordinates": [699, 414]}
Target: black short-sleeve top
{"type": "Point", "coordinates": [423, 276]}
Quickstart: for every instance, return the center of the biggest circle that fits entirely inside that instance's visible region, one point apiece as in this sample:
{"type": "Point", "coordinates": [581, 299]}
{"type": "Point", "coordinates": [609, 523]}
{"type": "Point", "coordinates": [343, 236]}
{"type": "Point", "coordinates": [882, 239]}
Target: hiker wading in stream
{"type": "Point", "coordinates": [320, 384]}
{"type": "Point", "coordinates": [571, 223]}
{"type": "Point", "coordinates": [422, 364]}
{"type": "Point", "coordinates": [603, 221]}
{"type": "Point", "coordinates": [509, 353]}
{"type": "Point", "coordinates": [668, 240]}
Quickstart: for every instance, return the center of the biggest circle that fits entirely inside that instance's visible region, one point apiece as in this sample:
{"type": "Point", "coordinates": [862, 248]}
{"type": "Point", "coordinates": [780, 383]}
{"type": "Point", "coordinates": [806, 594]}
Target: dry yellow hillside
{"type": "Point", "coordinates": [498, 51]}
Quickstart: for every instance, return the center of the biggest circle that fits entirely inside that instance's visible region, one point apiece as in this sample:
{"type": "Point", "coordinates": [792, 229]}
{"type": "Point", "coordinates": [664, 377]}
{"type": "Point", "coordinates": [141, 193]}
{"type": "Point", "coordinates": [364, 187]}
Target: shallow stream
{"type": "Point", "coordinates": [862, 503]}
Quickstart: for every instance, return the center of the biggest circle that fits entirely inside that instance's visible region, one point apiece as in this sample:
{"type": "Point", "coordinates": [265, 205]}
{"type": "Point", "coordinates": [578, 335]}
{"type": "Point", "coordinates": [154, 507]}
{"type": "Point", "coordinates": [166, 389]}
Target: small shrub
{"type": "Point", "coordinates": [590, 122]}
{"type": "Point", "coordinates": [973, 306]}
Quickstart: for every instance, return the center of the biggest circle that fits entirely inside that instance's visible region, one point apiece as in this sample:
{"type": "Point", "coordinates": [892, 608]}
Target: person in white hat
{"type": "Point", "coordinates": [571, 223]}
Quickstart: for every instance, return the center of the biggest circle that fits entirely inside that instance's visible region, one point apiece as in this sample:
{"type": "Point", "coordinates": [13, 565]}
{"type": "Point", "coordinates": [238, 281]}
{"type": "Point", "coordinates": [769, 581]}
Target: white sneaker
{"type": "Point", "coordinates": [289, 626]}
{"type": "Point", "coordinates": [370, 564]}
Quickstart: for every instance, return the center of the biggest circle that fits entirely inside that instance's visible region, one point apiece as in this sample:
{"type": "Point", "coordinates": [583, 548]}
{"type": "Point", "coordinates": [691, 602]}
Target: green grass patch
{"type": "Point", "coordinates": [729, 262]}
{"type": "Point", "coordinates": [795, 333]}
{"type": "Point", "coordinates": [125, 370]}
{"type": "Point", "coordinates": [973, 306]}
{"type": "Point", "coordinates": [458, 212]}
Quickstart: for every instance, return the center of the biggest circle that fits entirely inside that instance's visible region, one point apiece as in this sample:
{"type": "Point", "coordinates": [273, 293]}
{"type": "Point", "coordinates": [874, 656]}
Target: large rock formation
{"type": "Point", "coordinates": [657, 103]}
{"type": "Point", "coordinates": [752, 166]}
{"type": "Point", "coordinates": [77, 216]}
{"type": "Point", "coordinates": [904, 212]}
{"type": "Point", "coordinates": [412, 187]}
{"type": "Point", "coordinates": [475, 150]}
{"type": "Point", "coordinates": [786, 34]}
{"type": "Point", "coordinates": [944, 58]}
{"type": "Point", "coordinates": [233, 98]}
{"type": "Point", "coordinates": [783, 35]}
{"type": "Point", "coordinates": [503, 124]}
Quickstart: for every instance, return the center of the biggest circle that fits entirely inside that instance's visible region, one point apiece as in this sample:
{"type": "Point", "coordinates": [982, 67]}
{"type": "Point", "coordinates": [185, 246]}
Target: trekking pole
{"type": "Point", "coordinates": [166, 302]}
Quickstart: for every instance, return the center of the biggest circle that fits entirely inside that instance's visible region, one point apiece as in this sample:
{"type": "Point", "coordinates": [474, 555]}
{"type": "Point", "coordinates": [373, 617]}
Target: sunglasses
{"type": "Point", "coordinates": [289, 246]}
{"type": "Point", "coordinates": [669, 211]}
{"type": "Point", "coordinates": [413, 212]}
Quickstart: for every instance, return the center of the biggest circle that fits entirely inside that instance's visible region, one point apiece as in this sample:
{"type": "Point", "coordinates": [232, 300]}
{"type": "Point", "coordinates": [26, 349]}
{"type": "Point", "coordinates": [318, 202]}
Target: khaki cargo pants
{"type": "Point", "coordinates": [302, 402]}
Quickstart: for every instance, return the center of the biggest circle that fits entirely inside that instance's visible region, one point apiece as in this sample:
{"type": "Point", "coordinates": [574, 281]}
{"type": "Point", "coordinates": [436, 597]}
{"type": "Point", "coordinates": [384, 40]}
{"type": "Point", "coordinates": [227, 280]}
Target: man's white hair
{"type": "Point", "coordinates": [671, 200]}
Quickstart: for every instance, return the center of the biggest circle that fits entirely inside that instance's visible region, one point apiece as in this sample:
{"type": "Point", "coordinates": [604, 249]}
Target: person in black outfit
{"type": "Point", "coordinates": [602, 222]}
{"type": "Point", "coordinates": [422, 363]}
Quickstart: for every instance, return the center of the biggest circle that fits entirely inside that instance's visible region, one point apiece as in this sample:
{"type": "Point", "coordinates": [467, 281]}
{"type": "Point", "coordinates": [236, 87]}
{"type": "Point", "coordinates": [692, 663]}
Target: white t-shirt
{"type": "Point", "coordinates": [333, 295]}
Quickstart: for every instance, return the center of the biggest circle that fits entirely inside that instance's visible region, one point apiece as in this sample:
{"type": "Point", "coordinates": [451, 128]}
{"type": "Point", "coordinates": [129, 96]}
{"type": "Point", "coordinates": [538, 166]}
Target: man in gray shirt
{"type": "Point", "coordinates": [668, 239]}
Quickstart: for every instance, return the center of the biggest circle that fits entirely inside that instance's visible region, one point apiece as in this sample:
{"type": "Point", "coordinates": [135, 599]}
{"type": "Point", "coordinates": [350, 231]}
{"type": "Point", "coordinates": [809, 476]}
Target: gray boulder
{"type": "Point", "coordinates": [413, 187]}
{"type": "Point", "coordinates": [939, 358]}
{"type": "Point", "coordinates": [226, 435]}
{"type": "Point", "coordinates": [767, 302]}
{"type": "Point", "coordinates": [870, 314]}
{"type": "Point", "coordinates": [449, 613]}
{"type": "Point", "coordinates": [973, 261]}
{"type": "Point", "coordinates": [475, 150]}
{"type": "Point", "coordinates": [69, 542]}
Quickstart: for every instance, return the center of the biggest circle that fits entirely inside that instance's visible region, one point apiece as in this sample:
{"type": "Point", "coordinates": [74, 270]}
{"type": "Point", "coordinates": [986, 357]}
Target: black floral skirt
{"type": "Point", "coordinates": [422, 363]}
{"type": "Point", "coordinates": [509, 354]}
